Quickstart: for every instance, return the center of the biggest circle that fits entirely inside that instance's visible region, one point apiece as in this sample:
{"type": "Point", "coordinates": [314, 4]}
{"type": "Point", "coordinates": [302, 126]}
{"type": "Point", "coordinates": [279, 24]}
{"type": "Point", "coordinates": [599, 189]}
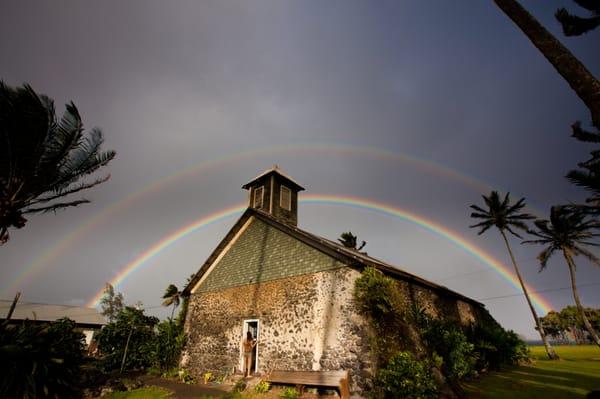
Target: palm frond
{"type": "Point", "coordinates": [55, 207]}
{"type": "Point", "coordinates": [591, 5]}
{"type": "Point", "coordinates": [511, 231]}
{"type": "Point", "coordinates": [477, 215]}
{"type": "Point", "coordinates": [479, 209]}
{"type": "Point", "coordinates": [588, 255]}
{"type": "Point", "coordinates": [544, 256]}
{"type": "Point", "coordinates": [573, 25]}
{"type": "Point", "coordinates": [42, 159]}
{"type": "Point", "coordinates": [72, 190]}
{"type": "Point", "coordinates": [64, 138]}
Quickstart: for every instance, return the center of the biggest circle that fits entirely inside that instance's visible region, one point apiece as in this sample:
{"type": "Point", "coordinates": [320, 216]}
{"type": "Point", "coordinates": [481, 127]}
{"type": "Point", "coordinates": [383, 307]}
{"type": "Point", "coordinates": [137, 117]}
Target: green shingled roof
{"type": "Point", "coordinates": [264, 253]}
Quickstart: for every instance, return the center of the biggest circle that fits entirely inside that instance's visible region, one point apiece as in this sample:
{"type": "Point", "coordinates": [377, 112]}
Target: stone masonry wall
{"type": "Point", "coordinates": [306, 323]}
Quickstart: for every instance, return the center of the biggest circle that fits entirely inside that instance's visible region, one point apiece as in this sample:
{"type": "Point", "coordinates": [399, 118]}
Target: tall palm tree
{"type": "Point", "coordinates": [506, 217]}
{"type": "Point", "coordinates": [568, 232]}
{"type": "Point", "coordinates": [581, 80]}
{"type": "Point", "coordinates": [42, 160]}
{"type": "Point", "coordinates": [172, 296]}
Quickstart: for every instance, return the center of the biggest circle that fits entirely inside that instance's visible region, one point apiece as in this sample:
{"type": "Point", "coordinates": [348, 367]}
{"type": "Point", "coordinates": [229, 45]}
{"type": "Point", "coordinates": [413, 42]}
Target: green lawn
{"type": "Point", "coordinates": [577, 373]}
{"type": "Point", "coordinates": [142, 393]}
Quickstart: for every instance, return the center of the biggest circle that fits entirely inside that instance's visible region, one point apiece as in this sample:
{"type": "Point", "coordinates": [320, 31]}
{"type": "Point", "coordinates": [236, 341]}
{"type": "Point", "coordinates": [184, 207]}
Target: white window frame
{"type": "Point", "coordinates": [288, 206]}
{"type": "Point", "coordinates": [244, 333]}
{"type": "Point", "coordinates": [262, 197]}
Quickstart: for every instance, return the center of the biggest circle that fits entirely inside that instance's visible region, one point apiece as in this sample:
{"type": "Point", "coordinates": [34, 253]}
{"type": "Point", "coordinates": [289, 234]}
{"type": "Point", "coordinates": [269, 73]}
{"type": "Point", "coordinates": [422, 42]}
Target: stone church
{"type": "Point", "coordinates": [293, 290]}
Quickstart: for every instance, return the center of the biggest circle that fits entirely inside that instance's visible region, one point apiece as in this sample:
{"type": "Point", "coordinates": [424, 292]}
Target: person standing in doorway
{"type": "Point", "coordinates": [248, 346]}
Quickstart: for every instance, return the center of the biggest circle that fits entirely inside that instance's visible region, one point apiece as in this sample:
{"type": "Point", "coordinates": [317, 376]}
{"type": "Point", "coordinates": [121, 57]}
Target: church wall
{"type": "Point", "coordinates": [307, 322]}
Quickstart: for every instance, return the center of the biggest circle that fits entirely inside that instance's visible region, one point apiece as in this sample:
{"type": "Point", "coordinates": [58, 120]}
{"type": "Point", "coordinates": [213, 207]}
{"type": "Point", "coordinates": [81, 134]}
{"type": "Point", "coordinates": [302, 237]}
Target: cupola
{"type": "Point", "coordinates": [275, 193]}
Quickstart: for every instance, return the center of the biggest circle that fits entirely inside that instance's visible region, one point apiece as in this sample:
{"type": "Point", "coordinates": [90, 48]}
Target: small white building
{"type": "Point", "coordinates": [88, 320]}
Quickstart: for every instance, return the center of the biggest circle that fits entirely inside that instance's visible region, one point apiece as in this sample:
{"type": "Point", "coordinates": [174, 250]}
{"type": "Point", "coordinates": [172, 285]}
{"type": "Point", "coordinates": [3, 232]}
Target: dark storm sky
{"type": "Point", "coordinates": [174, 84]}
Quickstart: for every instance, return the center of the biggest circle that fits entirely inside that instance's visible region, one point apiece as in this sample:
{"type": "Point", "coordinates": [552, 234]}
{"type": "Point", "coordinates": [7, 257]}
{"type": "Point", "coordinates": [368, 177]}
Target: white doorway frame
{"type": "Point", "coordinates": [244, 333]}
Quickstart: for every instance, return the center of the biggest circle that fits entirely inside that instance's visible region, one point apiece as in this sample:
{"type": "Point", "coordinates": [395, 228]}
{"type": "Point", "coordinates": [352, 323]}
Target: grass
{"type": "Point", "coordinates": [142, 393]}
{"type": "Point", "coordinates": [576, 374]}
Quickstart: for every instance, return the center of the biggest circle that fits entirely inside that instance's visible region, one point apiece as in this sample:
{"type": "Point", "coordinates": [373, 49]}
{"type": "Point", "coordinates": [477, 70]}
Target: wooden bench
{"type": "Point", "coordinates": [329, 379]}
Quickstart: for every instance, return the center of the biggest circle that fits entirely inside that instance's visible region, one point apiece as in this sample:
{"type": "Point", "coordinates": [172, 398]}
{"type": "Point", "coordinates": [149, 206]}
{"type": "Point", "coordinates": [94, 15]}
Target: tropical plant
{"type": "Point", "coordinates": [168, 342]}
{"type": "Point", "coordinates": [405, 377]}
{"type": "Point", "coordinates": [349, 240]}
{"type": "Point", "coordinates": [581, 80]}
{"type": "Point", "coordinates": [262, 387]}
{"type": "Point", "coordinates": [111, 303]}
{"type": "Point", "coordinates": [42, 160]}
{"type": "Point", "coordinates": [507, 217]}
{"type": "Point", "coordinates": [573, 25]}
{"type": "Point", "coordinates": [449, 343]}
{"type": "Point", "coordinates": [569, 232]}
{"type": "Point", "coordinates": [496, 347]}
{"type": "Point", "coordinates": [128, 341]}
{"type": "Point", "coordinates": [588, 176]}
{"type": "Point", "coordinates": [289, 393]}
{"type": "Point", "coordinates": [377, 296]}
{"type": "Point", "coordinates": [172, 296]}
{"type": "Point", "coordinates": [40, 360]}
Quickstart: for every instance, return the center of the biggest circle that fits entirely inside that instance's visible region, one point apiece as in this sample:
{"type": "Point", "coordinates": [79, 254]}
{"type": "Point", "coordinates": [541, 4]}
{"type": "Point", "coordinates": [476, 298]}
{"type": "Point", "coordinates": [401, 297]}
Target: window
{"type": "Point", "coordinates": [258, 197]}
{"type": "Point", "coordinates": [285, 198]}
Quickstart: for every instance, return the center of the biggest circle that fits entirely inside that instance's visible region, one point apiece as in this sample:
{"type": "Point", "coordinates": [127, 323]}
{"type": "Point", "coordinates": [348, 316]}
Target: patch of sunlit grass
{"type": "Point", "coordinates": [577, 373]}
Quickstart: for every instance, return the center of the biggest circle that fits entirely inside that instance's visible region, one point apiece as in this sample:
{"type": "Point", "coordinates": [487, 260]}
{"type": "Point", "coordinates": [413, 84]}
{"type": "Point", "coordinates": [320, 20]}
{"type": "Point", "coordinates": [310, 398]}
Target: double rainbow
{"type": "Point", "coordinates": [361, 203]}
{"type": "Point", "coordinates": [40, 263]}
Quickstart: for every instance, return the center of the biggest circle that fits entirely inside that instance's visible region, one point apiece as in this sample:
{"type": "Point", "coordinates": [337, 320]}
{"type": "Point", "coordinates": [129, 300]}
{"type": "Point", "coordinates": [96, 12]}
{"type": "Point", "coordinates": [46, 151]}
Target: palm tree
{"type": "Point", "coordinates": [569, 232]}
{"type": "Point", "coordinates": [42, 160]}
{"type": "Point", "coordinates": [585, 85]}
{"type": "Point", "coordinates": [172, 296]}
{"type": "Point", "coordinates": [505, 216]}
{"type": "Point", "coordinates": [349, 240]}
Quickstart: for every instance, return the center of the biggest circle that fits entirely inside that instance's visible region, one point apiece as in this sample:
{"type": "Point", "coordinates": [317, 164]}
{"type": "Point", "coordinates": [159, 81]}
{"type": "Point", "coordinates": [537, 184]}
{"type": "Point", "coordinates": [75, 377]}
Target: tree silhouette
{"type": "Point", "coordinates": [573, 25]}
{"type": "Point", "coordinates": [172, 296]}
{"type": "Point", "coordinates": [42, 160]}
{"type": "Point", "coordinates": [506, 217]}
{"type": "Point", "coordinates": [581, 80]}
{"type": "Point", "coordinates": [568, 232]}
{"type": "Point", "coordinates": [111, 303]}
{"type": "Point", "coordinates": [349, 240]}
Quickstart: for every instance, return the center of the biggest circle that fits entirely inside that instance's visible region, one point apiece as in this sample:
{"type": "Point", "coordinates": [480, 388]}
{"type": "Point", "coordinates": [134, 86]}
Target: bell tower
{"type": "Point", "coordinates": [275, 193]}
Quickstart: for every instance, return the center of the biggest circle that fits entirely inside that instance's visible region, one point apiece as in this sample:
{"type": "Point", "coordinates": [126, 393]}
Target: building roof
{"type": "Point", "coordinates": [351, 257]}
{"type": "Point", "coordinates": [89, 317]}
{"type": "Point", "coordinates": [275, 169]}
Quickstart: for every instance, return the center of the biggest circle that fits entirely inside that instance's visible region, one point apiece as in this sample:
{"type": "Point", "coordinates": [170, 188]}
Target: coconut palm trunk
{"type": "Point", "coordinates": [549, 350]}
{"type": "Point", "coordinates": [581, 80]}
{"type": "Point", "coordinates": [586, 322]}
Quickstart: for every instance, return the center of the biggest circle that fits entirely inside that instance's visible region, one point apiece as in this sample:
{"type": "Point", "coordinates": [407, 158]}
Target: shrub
{"type": "Point", "coordinates": [405, 377]}
{"type": "Point", "coordinates": [131, 325]}
{"type": "Point", "coordinates": [448, 342]}
{"type": "Point", "coordinates": [289, 393]}
{"type": "Point", "coordinates": [167, 345]}
{"type": "Point", "coordinates": [40, 361]}
{"type": "Point", "coordinates": [496, 347]}
{"type": "Point", "coordinates": [240, 385]}
{"type": "Point", "coordinates": [377, 296]}
{"type": "Point", "coordinates": [186, 377]}
{"type": "Point", "coordinates": [262, 387]}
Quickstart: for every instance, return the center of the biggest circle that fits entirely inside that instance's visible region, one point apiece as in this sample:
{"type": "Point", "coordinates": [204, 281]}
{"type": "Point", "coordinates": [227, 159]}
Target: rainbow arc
{"type": "Point", "coordinates": [360, 203]}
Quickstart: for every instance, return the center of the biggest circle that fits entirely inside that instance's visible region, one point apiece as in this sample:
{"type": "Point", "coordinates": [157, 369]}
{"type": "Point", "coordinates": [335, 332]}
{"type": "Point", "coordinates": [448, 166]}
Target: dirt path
{"type": "Point", "coordinates": [185, 391]}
